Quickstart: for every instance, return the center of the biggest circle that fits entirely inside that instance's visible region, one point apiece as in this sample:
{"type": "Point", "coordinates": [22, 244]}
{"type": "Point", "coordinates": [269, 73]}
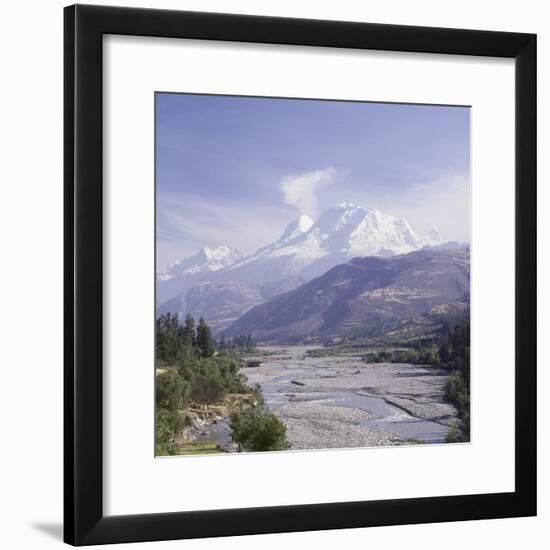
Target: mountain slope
{"type": "Point", "coordinates": [361, 295]}
{"type": "Point", "coordinates": [220, 303]}
{"type": "Point", "coordinates": [180, 276]}
{"type": "Point", "coordinates": [430, 323]}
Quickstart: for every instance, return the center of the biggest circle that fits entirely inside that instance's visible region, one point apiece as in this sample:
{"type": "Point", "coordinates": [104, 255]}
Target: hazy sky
{"type": "Point", "coordinates": [237, 170]}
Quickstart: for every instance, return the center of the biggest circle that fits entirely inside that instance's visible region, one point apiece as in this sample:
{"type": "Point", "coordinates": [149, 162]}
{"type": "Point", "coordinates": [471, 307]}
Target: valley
{"type": "Point", "coordinates": [363, 327]}
{"type": "Point", "coordinates": [339, 401]}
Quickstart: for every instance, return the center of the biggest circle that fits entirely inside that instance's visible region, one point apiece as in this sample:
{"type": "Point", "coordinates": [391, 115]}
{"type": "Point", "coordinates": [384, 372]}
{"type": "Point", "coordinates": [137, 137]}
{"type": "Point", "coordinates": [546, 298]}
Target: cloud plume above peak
{"type": "Point", "coordinates": [300, 191]}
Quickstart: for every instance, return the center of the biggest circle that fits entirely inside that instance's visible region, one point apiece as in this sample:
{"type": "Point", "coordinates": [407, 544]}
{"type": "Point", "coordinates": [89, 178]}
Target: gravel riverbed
{"type": "Point", "coordinates": [341, 402]}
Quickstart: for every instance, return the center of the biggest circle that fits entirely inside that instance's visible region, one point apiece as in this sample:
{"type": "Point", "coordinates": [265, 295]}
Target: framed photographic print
{"type": "Point", "coordinates": [300, 273]}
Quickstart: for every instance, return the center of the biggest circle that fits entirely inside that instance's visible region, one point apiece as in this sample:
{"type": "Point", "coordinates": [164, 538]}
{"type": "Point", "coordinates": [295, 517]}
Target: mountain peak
{"type": "Point", "coordinates": [219, 256]}
{"type": "Point", "coordinates": [345, 214]}
{"type": "Point", "coordinates": [220, 252]}
{"type": "Point", "coordinates": [207, 258]}
{"type": "Point", "coordinates": [304, 223]}
{"type": "Point", "coordinates": [296, 228]}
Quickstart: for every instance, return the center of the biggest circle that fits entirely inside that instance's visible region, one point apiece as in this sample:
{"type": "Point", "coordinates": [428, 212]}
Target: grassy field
{"type": "Point", "coordinates": [199, 449]}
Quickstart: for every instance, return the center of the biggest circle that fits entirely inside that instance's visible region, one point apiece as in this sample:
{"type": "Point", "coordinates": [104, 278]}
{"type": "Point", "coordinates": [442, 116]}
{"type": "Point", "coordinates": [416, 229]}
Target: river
{"type": "Point", "coordinates": [340, 401]}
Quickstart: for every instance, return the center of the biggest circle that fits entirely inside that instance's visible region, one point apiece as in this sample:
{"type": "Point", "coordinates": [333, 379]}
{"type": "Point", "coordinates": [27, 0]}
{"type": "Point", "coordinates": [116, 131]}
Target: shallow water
{"type": "Point", "coordinates": [217, 433]}
{"type": "Point", "coordinates": [396, 420]}
{"type": "Point", "coordinates": [280, 390]}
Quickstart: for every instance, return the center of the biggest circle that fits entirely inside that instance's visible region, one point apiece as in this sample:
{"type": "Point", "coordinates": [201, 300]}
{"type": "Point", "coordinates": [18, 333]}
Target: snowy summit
{"type": "Point", "coordinates": [345, 231]}
{"type": "Point", "coordinates": [206, 259]}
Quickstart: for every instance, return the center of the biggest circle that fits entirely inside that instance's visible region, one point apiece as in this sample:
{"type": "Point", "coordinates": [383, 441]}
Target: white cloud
{"type": "Point", "coordinates": [300, 191]}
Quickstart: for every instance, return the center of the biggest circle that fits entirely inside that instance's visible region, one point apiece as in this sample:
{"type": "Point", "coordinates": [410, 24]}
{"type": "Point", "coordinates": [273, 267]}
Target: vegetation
{"type": "Point", "coordinates": [203, 343]}
{"type": "Point", "coordinates": [206, 448]}
{"type": "Point", "coordinates": [196, 371]}
{"type": "Point", "coordinates": [455, 352]}
{"type": "Point", "coordinates": [256, 429]}
{"type": "Point", "coordinates": [209, 380]}
{"type": "Point", "coordinates": [421, 356]}
{"type": "Point", "coordinates": [168, 424]}
{"type": "Point", "coordinates": [172, 391]}
{"type": "Point", "coordinates": [193, 374]}
{"type": "Point", "coordinates": [178, 342]}
{"type": "Point", "coordinates": [242, 343]}
{"type": "Point", "coordinates": [450, 351]}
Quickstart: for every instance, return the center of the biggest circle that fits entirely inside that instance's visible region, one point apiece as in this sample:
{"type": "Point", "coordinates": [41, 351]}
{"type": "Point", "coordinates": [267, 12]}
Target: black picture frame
{"type": "Point", "coordinates": [84, 522]}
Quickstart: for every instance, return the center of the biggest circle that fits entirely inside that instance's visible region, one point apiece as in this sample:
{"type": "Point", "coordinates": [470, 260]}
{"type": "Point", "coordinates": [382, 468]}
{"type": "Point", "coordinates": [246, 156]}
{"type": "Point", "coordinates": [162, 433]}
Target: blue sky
{"type": "Point", "coordinates": [237, 170]}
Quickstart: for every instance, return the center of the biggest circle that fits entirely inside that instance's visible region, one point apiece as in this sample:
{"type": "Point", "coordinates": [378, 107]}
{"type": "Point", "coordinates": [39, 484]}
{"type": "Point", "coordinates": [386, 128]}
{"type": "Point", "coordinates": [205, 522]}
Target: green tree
{"type": "Point", "coordinates": [188, 336]}
{"type": "Point", "coordinates": [205, 345]}
{"type": "Point", "coordinates": [168, 425]}
{"type": "Point", "coordinates": [256, 429]}
{"type": "Point", "coordinates": [222, 344]}
{"type": "Point", "coordinates": [457, 352]}
{"type": "Point", "coordinates": [172, 391]}
{"type": "Point", "coordinates": [207, 389]}
{"type": "Point", "coordinates": [168, 340]}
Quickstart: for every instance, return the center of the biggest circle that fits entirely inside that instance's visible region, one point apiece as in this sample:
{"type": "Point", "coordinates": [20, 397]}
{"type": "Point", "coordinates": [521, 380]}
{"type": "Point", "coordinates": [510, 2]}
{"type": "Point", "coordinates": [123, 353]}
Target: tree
{"type": "Point", "coordinates": [250, 343]}
{"type": "Point", "coordinates": [168, 340]}
{"type": "Point", "coordinates": [205, 345]}
{"type": "Point", "coordinates": [207, 390]}
{"type": "Point", "coordinates": [457, 345]}
{"type": "Point", "coordinates": [168, 426]}
{"type": "Point", "coordinates": [222, 345]}
{"type": "Point", "coordinates": [188, 336]}
{"type": "Point", "coordinates": [172, 391]}
{"type": "Point", "coordinates": [257, 429]}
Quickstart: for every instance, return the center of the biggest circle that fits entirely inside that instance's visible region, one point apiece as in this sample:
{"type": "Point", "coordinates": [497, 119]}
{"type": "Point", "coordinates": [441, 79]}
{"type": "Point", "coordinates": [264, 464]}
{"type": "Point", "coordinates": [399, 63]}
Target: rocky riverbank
{"type": "Point", "coordinates": [211, 424]}
{"type": "Point", "coordinates": [210, 430]}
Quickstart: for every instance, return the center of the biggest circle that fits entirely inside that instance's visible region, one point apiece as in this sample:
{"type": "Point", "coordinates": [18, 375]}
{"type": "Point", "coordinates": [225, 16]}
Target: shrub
{"type": "Point", "coordinates": [454, 435]}
{"type": "Point", "coordinates": [212, 377]}
{"type": "Point", "coordinates": [458, 392]}
{"type": "Point", "coordinates": [172, 391]}
{"type": "Point", "coordinates": [169, 424]}
{"type": "Point", "coordinates": [455, 386]}
{"type": "Point", "coordinates": [422, 356]}
{"type": "Point", "coordinates": [256, 429]}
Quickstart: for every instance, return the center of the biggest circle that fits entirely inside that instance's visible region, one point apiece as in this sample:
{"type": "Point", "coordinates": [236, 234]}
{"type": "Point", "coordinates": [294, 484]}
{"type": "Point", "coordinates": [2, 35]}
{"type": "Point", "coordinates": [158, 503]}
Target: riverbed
{"type": "Point", "coordinates": [341, 402]}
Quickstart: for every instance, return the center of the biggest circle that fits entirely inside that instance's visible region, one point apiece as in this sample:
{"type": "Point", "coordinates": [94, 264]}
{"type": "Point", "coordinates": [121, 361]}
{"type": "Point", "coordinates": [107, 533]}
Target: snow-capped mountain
{"type": "Point", "coordinates": [305, 249]}
{"type": "Point", "coordinates": [345, 231]}
{"type": "Point", "coordinates": [206, 259]}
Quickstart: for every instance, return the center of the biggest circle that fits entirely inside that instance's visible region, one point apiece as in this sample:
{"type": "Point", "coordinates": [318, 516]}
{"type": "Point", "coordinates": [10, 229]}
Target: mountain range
{"type": "Point", "coordinates": [345, 249]}
{"type": "Point", "coordinates": [305, 249]}
{"type": "Point", "coordinates": [205, 260]}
